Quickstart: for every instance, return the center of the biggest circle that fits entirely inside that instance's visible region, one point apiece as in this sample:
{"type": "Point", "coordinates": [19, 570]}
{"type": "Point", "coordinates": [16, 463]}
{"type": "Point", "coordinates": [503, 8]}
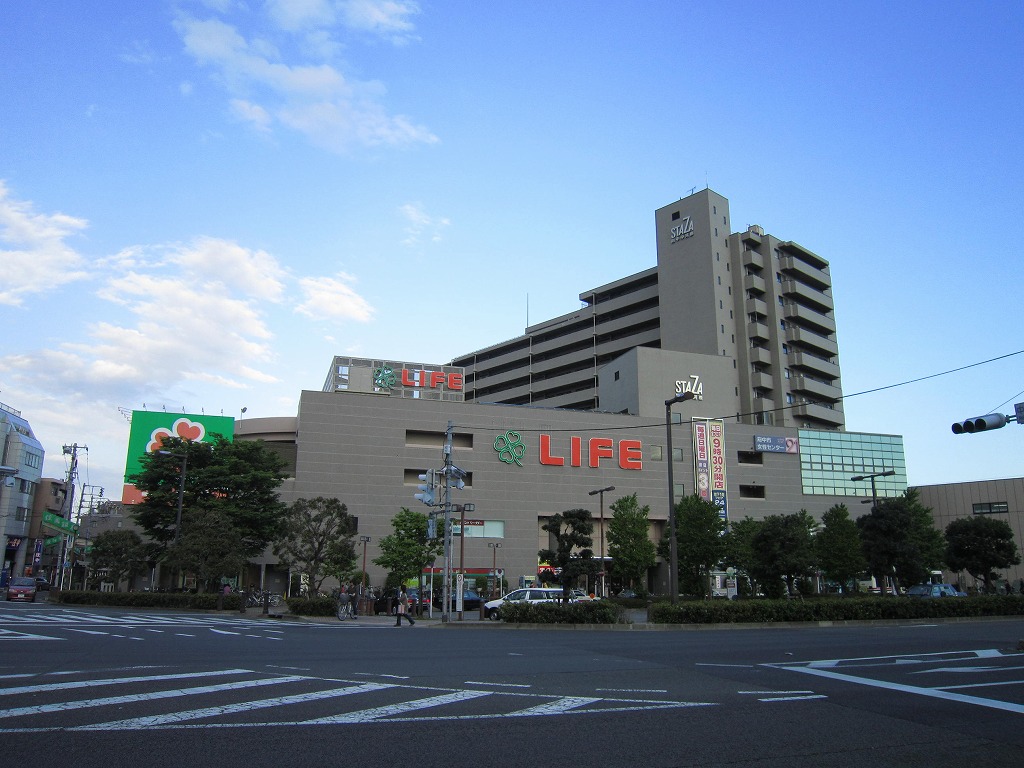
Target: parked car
{"type": "Point", "coordinates": [22, 588]}
{"type": "Point", "coordinates": [934, 590]}
{"type": "Point", "coordinates": [492, 609]}
{"type": "Point", "coordinates": [42, 585]}
{"type": "Point", "coordinates": [470, 600]}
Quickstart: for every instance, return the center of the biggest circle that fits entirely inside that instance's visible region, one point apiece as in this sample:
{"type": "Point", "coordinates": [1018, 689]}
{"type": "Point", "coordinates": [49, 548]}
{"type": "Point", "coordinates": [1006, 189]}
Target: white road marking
{"type": "Point", "coordinates": [368, 715]}
{"type": "Point", "coordinates": [502, 685]}
{"type": "Point", "coordinates": [245, 706]}
{"type": "Point", "coordinates": [64, 686]}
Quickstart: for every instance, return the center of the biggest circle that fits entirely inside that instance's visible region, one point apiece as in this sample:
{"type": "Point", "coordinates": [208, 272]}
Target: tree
{"type": "Point", "coordinates": [699, 543]}
{"type": "Point", "coordinates": [629, 544]}
{"type": "Point", "coordinates": [739, 548]}
{"type": "Point", "coordinates": [783, 550]}
{"type": "Point", "coordinates": [840, 555]}
{"type": "Point", "coordinates": [980, 545]}
{"type": "Point", "coordinates": [900, 539]}
{"type": "Point", "coordinates": [210, 548]}
{"type": "Point", "coordinates": [239, 480]}
{"type": "Point", "coordinates": [572, 556]}
{"type": "Point", "coordinates": [317, 540]}
{"type": "Point", "coordinates": [120, 553]}
{"type": "Point", "coordinates": [407, 551]}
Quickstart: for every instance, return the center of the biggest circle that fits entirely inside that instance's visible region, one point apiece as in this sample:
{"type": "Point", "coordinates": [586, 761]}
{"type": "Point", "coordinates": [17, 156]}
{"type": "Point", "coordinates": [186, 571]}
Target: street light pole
{"type": "Point", "coordinates": [495, 546]}
{"type": "Point", "coordinates": [459, 598]}
{"type": "Point", "coordinates": [673, 546]}
{"type": "Point", "coordinates": [874, 496]}
{"type": "Point", "coordinates": [365, 540]}
{"type": "Point", "coordinates": [600, 491]}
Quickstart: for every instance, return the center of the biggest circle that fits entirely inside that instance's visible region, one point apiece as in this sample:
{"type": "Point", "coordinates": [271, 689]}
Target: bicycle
{"type": "Point", "coordinates": [257, 598]}
{"type": "Point", "coordinates": [345, 609]}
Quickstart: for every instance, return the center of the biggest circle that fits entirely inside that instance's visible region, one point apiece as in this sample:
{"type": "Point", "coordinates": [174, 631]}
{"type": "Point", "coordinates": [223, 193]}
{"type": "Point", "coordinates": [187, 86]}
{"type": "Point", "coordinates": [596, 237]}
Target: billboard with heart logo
{"type": "Point", "coordinates": [149, 428]}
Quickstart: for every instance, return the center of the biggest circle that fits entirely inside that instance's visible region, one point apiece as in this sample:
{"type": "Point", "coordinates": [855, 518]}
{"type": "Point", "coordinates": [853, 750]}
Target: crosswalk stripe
{"type": "Point", "coordinates": [118, 681]}
{"type": "Point", "coordinates": [368, 715]}
{"type": "Point", "coordinates": [244, 706]}
{"type": "Point", "coordinates": [153, 696]}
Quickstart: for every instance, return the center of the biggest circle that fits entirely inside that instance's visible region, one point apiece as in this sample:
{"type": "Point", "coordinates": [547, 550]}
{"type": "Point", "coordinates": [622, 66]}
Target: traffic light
{"type": "Point", "coordinates": [428, 489]}
{"type": "Point", "coordinates": [979, 424]}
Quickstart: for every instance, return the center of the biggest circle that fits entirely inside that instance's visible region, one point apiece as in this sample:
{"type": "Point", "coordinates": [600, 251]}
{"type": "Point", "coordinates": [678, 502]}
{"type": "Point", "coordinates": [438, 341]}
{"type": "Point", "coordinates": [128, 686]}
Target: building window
{"type": "Point", "coordinates": [751, 491]}
{"type": "Point", "coordinates": [991, 508]}
{"type": "Point", "coordinates": [750, 457]}
{"type": "Point", "coordinates": [21, 514]}
{"type": "Point", "coordinates": [34, 460]}
{"type": "Point", "coordinates": [657, 453]}
{"type": "Point", "coordinates": [677, 454]}
{"type": "Point", "coordinates": [675, 215]}
{"type": "Point", "coordinates": [616, 376]}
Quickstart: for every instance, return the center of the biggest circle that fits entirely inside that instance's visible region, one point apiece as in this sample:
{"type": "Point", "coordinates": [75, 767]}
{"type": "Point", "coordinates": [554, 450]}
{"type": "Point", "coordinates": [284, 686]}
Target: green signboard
{"type": "Point", "coordinates": [59, 523]}
{"type": "Point", "coordinates": [52, 541]}
{"type": "Point", "coordinates": [150, 428]}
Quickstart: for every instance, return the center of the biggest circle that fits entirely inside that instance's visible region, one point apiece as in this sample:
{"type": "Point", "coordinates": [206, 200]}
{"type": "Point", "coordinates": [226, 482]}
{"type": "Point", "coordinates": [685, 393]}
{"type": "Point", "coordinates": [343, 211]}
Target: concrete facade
{"type": "Point", "coordinates": [760, 302]}
{"type": "Point", "coordinates": [21, 462]}
{"type": "Point", "coordinates": [368, 450]}
{"type": "Point", "coordinates": [1003, 499]}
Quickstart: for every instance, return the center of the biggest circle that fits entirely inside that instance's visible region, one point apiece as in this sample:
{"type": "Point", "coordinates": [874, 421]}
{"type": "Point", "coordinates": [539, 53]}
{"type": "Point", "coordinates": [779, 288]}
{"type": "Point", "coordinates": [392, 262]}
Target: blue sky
{"type": "Point", "coordinates": [202, 202]}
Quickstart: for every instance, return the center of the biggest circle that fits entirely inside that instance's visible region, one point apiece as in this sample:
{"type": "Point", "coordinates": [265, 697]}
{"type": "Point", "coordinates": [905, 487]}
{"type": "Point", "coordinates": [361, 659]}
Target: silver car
{"type": "Point", "coordinates": [492, 609]}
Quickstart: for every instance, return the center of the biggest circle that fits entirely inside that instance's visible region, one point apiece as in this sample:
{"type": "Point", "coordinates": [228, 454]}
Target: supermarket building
{"type": "Point", "coordinates": [741, 320]}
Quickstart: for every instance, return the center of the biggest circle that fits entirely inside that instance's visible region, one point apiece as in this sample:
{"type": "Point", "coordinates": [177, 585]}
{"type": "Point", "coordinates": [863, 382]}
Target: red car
{"type": "Point", "coordinates": [22, 588]}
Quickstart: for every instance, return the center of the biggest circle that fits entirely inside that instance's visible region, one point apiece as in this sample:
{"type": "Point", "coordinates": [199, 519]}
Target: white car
{"type": "Point", "coordinates": [492, 609]}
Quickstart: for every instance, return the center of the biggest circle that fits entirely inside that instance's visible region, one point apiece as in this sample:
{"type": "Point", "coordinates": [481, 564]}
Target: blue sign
{"type": "Point", "coordinates": [765, 444]}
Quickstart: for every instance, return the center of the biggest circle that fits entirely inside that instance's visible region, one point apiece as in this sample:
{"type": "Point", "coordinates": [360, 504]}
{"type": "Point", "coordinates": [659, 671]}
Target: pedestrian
{"type": "Point", "coordinates": [403, 608]}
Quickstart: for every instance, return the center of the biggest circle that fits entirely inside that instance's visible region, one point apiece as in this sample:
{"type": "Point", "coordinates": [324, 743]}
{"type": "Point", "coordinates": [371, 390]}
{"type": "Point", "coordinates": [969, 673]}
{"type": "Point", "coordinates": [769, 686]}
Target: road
{"type": "Point", "coordinates": [103, 687]}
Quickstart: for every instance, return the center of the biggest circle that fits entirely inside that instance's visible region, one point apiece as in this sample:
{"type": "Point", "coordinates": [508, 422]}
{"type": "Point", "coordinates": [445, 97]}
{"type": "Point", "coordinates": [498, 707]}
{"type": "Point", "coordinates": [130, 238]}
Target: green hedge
{"type": "Point", "coordinates": [833, 609]}
{"type": "Point", "coordinates": [587, 612]}
{"type": "Point", "coordinates": [312, 606]}
{"type": "Point", "coordinates": [207, 601]}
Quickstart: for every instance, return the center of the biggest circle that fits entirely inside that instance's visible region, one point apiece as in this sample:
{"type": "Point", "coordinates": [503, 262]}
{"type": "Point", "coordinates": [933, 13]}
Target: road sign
{"type": "Point", "coordinates": [1018, 408]}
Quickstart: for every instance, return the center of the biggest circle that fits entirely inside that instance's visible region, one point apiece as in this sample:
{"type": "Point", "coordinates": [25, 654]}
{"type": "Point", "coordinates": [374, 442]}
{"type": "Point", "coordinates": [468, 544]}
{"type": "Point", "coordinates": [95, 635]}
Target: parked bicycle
{"type": "Point", "coordinates": [258, 597]}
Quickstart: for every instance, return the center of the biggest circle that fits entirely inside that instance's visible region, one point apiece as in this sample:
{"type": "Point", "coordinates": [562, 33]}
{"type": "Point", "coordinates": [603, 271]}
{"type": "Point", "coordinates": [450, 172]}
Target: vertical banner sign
{"type": "Point", "coordinates": [709, 462]}
{"type": "Point", "coordinates": [716, 438]}
{"type": "Point", "coordinates": [701, 460]}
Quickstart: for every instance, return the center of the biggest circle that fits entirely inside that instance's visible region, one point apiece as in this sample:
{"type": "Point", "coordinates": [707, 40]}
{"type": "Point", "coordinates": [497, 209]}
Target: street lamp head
{"type": "Point", "coordinates": [681, 397]}
{"type": "Point", "coordinates": [601, 490]}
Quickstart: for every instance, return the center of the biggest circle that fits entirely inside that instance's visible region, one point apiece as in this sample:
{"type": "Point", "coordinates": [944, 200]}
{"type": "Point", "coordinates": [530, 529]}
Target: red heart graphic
{"type": "Point", "coordinates": [156, 440]}
{"type": "Point", "coordinates": [188, 430]}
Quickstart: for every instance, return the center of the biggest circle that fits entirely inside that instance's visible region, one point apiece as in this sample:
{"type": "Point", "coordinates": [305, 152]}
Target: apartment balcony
{"type": "Point", "coordinates": [810, 340]}
{"type": "Point", "coordinates": [754, 283]}
{"type": "Point", "coordinates": [753, 259]}
{"type": "Point", "coordinates": [756, 307]}
{"type": "Point", "coordinates": [753, 235]}
{"type": "Point", "coordinates": [760, 355]}
{"type": "Point", "coordinates": [803, 254]}
{"type": "Point", "coordinates": [806, 294]}
{"type": "Point", "coordinates": [758, 331]}
{"type": "Point", "coordinates": [580, 334]}
{"type": "Point", "coordinates": [820, 414]}
{"type": "Point", "coordinates": [809, 318]}
{"type": "Point", "coordinates": [762, 380]}
{"type": "Point", "coordinates": [818, 390]}
{"type": "Point", "coordinates": [804, 272]}
{"type": "Point", "coordinates": [823, 368]}
{"type": "Point", "coordinates": [762, 404]}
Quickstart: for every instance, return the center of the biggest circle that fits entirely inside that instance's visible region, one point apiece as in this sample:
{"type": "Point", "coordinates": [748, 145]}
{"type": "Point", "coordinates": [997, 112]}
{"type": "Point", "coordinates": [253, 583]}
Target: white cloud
{"type": "Point", "coordinates": [422, 226]}
{"type": "Point", "coordinates": [333, 298]}
{"type": "Point", "coordinates": [254, 273]}
{"type": "Point", "coordinates": [388, 18]}
{"type": "Point", "coordinates": [313, 98]}
{"type": "Point", "coordinates": [33, 250]}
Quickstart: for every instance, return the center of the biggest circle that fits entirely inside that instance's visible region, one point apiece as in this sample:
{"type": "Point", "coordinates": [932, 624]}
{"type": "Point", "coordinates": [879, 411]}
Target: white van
{"type": "Point", "coordinates": [526, 595]}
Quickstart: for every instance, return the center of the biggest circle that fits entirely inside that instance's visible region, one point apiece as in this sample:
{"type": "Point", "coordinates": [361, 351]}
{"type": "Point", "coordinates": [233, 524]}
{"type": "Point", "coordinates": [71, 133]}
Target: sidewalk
{"type": "Point", "coordinates": [280, 612]}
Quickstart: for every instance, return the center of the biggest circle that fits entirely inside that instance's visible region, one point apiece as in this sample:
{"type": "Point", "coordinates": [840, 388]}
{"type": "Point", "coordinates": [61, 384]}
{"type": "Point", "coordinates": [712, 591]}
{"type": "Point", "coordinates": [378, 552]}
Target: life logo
{"type": "Point", "coordinates": [184, 428]}
{"type": "Point", "coordinates": [683, 230]}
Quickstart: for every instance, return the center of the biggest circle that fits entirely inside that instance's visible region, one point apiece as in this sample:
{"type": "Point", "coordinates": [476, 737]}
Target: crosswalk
{"type": "Point", "coordinates": [233, 698]}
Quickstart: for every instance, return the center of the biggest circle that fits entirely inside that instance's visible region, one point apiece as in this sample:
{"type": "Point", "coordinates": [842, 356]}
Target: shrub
{"type": "Point", "coordinates": [586, 612]}
{"type": "Point", "coordinates": [206, 601]}
{"type": "Point", "coordinates": [833, 609]}
{"type": "Point", "coordinates": [312, 606]}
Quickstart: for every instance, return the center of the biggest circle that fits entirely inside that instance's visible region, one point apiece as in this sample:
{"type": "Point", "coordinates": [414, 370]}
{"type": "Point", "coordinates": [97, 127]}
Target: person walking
{"type": "Point", "coordinates": [403, 608]}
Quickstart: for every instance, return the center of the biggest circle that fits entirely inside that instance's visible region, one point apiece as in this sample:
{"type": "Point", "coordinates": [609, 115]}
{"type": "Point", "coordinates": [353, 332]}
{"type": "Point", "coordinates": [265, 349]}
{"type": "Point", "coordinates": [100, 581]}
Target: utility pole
{"type": "Point", "coordinates": [446, 593]}
{"type": "Point", "coordinates": [69, 505]}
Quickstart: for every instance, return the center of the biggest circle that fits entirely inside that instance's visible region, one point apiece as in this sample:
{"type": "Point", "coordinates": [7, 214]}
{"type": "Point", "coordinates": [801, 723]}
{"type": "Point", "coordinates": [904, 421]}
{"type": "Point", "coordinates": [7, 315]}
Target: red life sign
{"type": "Point", "coordinates": [431, 379]}
{"type": "Point", "coordinates": [630, 452]}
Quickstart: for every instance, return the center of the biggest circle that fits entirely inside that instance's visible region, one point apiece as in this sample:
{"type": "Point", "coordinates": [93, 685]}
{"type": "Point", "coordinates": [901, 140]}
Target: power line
{"type": "Point", "coordinates": [661, 424]}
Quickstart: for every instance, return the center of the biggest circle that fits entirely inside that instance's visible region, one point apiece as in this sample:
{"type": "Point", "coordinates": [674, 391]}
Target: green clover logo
{"type": "Point", "coordinates": [384, 377]}
{"type": "Point", "coordinates": [510, 447]}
